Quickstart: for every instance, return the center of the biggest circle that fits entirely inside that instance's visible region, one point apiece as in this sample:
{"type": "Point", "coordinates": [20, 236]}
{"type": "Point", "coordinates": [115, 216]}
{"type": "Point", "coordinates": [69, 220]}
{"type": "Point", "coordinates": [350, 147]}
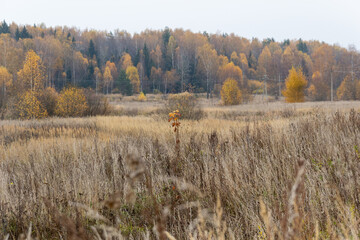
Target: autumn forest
{"type": "Point", "coordinates": [174, 61]}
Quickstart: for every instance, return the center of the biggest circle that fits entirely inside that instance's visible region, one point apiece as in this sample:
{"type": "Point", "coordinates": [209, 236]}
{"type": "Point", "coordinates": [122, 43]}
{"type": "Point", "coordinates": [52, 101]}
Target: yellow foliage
{"type": "Point", "coordinates": [133, 75]}
{"type": "Point", "coordinates": [311, 91]}
{"type": "Point", "coordinates": [29, 107]}
{"type": "Point", "coordinates": [126, 61]}
{"type": "Point", "coordinates": [112, 68]}
{"type": "Point", "coordinates": [108, 79]}
{"type": "Point", "coordinates": [223, 60]}
{"type": "Point", "coordinates": [320, 89]}
{"type": "Point", "coordinates": [230, 92]}
{"type": "Point", "coordinates": [230, 71]}
{"type": "Point", "coordinates": [208, 59]}
{"type": "Point", "coordinates": [141, 97]}
{"type": "Point", "coordinates": [5, 77]}
{"type": "Point", "coordinates": [32, 75]}
{"type": "Point", "coordinates": [295, 86]}
{"type": "Point", "coordinates": [264, 61]}
{"type": "Point", "coordinates": [81, 59]}
{"type": "Point", "coordinates": [235, 58]}
{"type": "Point", "coordinates": [347, 89]}
{"type": "Point", "coordinates": [48, 99]}
{"type": "Point", "coordinates": [71, 103]}
{"type": "Point", "coordinates": [255, 86]}
{"type": "Point", "coordinates": [243, 59]}
{"type": "Point", "coordinates": [107, 75]}
{"type": "Point", "coordinates": [186, 103]}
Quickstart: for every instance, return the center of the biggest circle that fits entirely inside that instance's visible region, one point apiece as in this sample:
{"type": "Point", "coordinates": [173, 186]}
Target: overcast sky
{"type": "Point", "coordinates": [331, 21]}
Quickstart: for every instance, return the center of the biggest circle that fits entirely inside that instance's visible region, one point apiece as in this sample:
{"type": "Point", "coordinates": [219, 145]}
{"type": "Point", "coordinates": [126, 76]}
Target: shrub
{"type": "Point", "coordinates": [141, 97]}
{"type": "Point", "coordinates": [71, 103]}
{"type": "Point", "coordinates": [230, 92]}
{"type": "Point", "coordinates": [255, 86]}
{"type": "Point", "coordinates": [48, 99]}
{"type": "Point", "coordinates": [97, 104]}
{"type": "Point", "coordinates": [187, 105]}
{"type": "Point", "coordinates": [29, 107]}
{"type": "Point", "coordinates": [156, 91]}
{"type": "Point", "coordinates": [115, 91]}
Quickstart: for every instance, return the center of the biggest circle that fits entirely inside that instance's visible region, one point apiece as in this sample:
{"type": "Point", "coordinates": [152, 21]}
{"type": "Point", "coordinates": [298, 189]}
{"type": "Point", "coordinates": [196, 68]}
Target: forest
{"type": "Point", "coordinates": [177, 60]}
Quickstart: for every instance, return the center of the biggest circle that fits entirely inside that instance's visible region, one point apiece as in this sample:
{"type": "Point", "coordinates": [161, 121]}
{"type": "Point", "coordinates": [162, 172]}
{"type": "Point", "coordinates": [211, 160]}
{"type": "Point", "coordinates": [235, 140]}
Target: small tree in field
{"type": "Point", "coordinates": [29, 107]}
{"type": "Point", "coordinates": [71, 103]}
{"type": "Point", "coordinates": [141, 97]}
{"type": "Point", "coordinates": [295, 86]}
{"type": "Point", "coordinates": [230, 92]}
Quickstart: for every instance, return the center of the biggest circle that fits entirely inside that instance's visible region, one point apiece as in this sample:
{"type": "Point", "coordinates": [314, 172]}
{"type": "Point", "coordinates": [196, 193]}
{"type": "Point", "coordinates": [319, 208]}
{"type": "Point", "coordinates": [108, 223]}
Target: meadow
{"type": "Point", "coordinates": [253, 171]}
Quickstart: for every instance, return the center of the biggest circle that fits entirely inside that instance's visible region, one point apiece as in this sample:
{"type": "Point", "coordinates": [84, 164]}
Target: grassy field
{"type": "Point", "coordinates": [254, 171]}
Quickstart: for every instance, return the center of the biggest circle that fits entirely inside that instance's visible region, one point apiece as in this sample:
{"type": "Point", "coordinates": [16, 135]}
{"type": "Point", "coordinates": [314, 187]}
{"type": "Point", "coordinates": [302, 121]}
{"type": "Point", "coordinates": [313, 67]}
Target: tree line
{"type": "Point", "coordinates": [176, 60]}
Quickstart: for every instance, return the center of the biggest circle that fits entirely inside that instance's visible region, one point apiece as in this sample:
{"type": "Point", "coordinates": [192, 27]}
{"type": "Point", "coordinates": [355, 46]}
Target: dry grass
{"type": "Point", "coordinates": [240, 173]}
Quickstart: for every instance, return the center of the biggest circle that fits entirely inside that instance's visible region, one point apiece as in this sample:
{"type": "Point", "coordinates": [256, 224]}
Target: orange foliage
{"type": "Point", "coordinates": [295, 86]}
{"type": "Point", "coordinates": [230, 71]}
{"type": "Point", "coordinates": [126, 61]}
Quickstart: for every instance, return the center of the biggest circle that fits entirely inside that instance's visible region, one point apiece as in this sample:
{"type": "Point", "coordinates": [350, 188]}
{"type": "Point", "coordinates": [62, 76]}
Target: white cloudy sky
{"type": "Point", "coordinates": [332, 21]}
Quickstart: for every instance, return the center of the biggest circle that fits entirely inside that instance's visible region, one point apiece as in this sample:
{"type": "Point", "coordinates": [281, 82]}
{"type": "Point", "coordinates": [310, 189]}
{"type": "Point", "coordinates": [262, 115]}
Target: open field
{"type": "Point", "coordinates": [129, 105]}
{"type": "Point", "coordinates": [254, 171]}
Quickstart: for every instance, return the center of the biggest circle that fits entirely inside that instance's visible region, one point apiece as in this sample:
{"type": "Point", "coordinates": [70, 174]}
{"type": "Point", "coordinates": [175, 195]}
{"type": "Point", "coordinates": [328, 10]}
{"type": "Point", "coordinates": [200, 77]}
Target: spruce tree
{"type": "Point", "coordinates": [17, 34]}
{"type": "Point", "coordinates": [92, 51]}
{"type": "Point", "coordinates": [301, 46]}
{"type": "Point", "coordinates": [25, 34]}
{"type": "Point", "coordinates": [147, 61]}
{"type": "Point", "coordinates": [4, 28]}
{"type": "Point", "coordinates": [123, 84]}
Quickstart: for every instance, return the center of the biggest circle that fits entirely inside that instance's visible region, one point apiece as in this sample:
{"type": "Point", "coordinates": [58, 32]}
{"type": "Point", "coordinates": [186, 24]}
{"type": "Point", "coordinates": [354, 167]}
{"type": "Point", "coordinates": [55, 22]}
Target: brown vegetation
{"type": "Point", "coordinates": [280, 174]}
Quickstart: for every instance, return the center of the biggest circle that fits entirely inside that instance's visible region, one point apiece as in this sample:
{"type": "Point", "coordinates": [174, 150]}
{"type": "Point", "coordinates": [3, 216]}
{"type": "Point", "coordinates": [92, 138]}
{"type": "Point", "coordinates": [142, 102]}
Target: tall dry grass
{"type": "Point", "coordinates": [283, 174]}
